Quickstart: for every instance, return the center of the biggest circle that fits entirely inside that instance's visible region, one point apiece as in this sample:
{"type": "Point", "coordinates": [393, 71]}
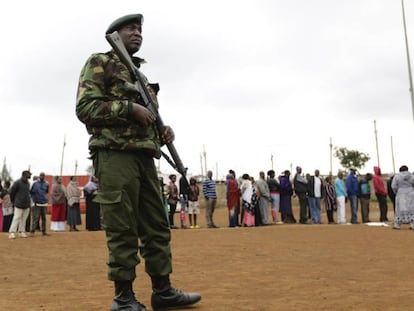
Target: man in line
{"type": "Point", "coordinates": [314, 197]}
{"type": "Point", "coordinates": [210, 195]}
{"type": "Point", "coordinates": [124, 142]}
{"type": "Point", "coordinates": [20, 197]}
{"type": "Point", "coordinates": [380, 193]}
{"type": "Point", "coordinates": [39, 193]}
{"type": "Point", "coordinates": [352, 189]}
{"type": "Point", "coordinates": [365, 196]}
{"type": "Point", "coordinates": [300, 185]}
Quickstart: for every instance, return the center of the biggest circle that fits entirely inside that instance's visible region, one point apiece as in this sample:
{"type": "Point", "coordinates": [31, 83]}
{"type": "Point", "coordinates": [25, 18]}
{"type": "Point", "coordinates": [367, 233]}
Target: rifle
{"type": "Point", "coordinates": [139, 86]}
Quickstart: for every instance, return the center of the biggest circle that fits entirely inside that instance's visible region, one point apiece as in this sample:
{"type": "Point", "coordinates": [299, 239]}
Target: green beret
{"type": "Point", "coordinates": [124, 20]}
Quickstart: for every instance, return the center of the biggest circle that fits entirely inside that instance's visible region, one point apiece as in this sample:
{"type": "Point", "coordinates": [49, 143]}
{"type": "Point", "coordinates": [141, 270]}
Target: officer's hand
{"type": "Point", "coordinates": [142, 115]}
{"type": "Point", "coordinates": [168, 135]}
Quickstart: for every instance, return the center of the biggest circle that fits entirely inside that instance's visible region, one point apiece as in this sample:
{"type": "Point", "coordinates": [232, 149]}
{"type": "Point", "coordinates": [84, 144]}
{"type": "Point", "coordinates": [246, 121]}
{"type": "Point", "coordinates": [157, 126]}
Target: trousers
{"type": "Point", "coordinates": [19, 219]}
{"type": "Point", "coordinates": [133, 214]}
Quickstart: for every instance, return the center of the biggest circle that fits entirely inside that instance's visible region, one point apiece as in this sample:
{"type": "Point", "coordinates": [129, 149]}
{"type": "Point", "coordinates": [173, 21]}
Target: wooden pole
{"type": "Point", "coordinates": [410, 77]}
{"type": "Point", "coordinates": [63, 154]}
{"type": "Point", "coordinates": [76, 167]}
{"type": "Point", "coordinates": [330, 156]}
{"type": "Point", "coordinates": [376, 142]}
{"type": "Point", "coordinates": [271, 160]}
{"type": "Point", "coordinates": [392, 155]}
{"type": "Point", "coordinates": [205, 159]}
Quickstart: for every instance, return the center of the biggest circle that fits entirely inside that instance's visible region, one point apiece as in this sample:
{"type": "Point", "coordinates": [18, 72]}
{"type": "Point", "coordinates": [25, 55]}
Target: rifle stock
{"type": "Point", "coordinates": [117, 44]}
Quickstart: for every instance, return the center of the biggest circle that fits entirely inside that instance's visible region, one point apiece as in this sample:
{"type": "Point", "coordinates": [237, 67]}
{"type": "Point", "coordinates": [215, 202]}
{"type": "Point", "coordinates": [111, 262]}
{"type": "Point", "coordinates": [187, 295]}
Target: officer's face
{"type": "Point", "coordinates": [131, 35]}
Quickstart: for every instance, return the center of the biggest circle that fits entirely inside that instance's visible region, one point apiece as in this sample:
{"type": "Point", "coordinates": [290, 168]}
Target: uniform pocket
{"type": "Point", "coordinates": [114, 213]}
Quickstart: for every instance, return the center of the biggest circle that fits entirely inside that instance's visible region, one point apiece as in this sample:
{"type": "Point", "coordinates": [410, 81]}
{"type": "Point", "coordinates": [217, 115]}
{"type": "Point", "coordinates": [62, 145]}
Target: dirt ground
{"type": "Point", "coordinates": [278, 267]}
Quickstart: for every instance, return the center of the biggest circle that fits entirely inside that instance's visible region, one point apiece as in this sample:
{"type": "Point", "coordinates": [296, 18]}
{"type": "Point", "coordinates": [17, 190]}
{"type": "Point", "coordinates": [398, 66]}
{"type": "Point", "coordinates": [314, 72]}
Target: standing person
{"type": "Point", "coordinates": [249, 200]}
{"type": "Point", "coordinates": [93, 209]}
{"type": "Point", "coordinates": [172, 199]}
{"type": "Point", "coordinates": [286, 193]}
{"type": "Point", "coordinates": [193, 204]}
{"type": "Point", "coordinates": [403, 187]}
{"type": "Point", "coordinates": [365, 196]}
{"type": "Point", "coordinates": [73, 194]}
{"type": "Point", "coordinates": [315, 190]}
{"type": "Point", "coordinates": [237, 201]}
{"type": "Point", "coordinates": [274, 190]}
{"type": "Point", "coordinates": [210, 195]}
{"type": "Point", "coordinates": [300, 185]}
{"type": "Point", "coordinates": [184, 192]}
{"type": "Point", "coordinates": [58, 215]}
{"type": "Point", "coordinates": [352, 189]}
{"type": "Point", "coordinates": [29, 220]}
{"type": "Point", "coordinates": [39, 193]}
{"type": "Point", "coordinates": [341, 196]}
{"type": "Point", "coordinates": [1, 208]}
{"type": "Point", "coordinates": [380, 193]}
{"type": "Point", "coordinates": [233, 200]}
{"type": "Point", "coordinates": [390, 192]}
{"type": "Point", "coordinates": [264, 198]}
{"type": "Point", "coordinates": [7, 206]}
{"type": "Point", "coordinates": [20, 197]}
{"type": "Point", "coordinates": [124, 141]}
{"type": "Point", "coordinates": [330, 199]}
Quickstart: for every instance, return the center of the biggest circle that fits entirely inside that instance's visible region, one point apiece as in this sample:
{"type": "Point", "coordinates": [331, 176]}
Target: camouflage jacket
{"type": "Point", "coordinates": [104, 105]}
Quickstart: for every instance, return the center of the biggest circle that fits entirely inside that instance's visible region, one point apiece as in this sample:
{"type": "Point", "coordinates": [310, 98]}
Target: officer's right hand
{"type": "Point", "coordinates": [142, 115]}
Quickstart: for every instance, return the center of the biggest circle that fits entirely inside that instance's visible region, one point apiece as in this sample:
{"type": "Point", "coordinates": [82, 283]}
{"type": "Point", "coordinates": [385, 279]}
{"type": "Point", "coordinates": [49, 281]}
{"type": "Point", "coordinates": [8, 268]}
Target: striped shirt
{"type": "Point", "coordinates": [209, 189]}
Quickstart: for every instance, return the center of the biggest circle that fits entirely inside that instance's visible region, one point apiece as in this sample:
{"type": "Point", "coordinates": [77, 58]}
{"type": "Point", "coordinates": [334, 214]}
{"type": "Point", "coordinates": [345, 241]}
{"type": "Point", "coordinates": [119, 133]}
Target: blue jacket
{"type": "Point", "coordinates": [39, 191]}
{"type": "Point", "coordinates": [352, 184]}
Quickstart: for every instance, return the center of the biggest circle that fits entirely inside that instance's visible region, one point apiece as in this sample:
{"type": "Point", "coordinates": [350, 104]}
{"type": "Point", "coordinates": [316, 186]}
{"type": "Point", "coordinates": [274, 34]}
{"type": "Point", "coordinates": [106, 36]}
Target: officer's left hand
{"type": "Point", "coordinates": [168, 135]}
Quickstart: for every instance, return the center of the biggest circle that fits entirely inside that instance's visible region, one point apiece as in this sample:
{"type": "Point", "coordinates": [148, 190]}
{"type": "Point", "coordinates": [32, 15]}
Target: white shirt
{"type": "Point", "coordinates": [317, 187]}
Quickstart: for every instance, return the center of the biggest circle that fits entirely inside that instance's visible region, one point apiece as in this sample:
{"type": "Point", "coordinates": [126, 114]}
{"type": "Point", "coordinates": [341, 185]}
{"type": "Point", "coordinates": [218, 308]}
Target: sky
{"type": "Point", "coordinates": [242, 82]}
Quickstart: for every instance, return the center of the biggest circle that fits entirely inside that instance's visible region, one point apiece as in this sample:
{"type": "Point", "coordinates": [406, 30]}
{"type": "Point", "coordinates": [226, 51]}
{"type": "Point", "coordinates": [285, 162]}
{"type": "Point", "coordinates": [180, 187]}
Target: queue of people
{"type": "Point", "coordinates": [24, 205]}
{"type": "Point", "coordinates": [249, 201]}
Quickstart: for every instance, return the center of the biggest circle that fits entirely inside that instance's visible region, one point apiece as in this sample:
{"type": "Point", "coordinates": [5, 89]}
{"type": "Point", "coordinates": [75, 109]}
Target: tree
{"type": "Point", "coordinates": [5, 173]}
{"type": "Point", "coordinates": [351, 158]}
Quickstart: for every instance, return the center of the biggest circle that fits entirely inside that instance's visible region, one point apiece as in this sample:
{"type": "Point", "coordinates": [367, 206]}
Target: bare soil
{"type": "Point", "coordinates": [277, 267]}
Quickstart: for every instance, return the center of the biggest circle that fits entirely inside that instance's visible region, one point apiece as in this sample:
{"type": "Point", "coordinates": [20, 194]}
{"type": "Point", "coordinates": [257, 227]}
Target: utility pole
{"type": "Point", "coordinates": [76, 167]}
{"type": "Point", "coordinates": [63, 154]}
{"type": "Point", "coordinates": [205, 159]}
{"type": "Point", "coordinates": [376, 142]}
{"type": "Point", "coordinates": [410, 78]}
{"type": "Point", "coordinates": [201, 164]}
{"type": "Point", "coordinates": [271, 160]}
{"type": "Point", "coordinates": [392, 155]}
{"type": "Point", "coordinates": [330, 156]}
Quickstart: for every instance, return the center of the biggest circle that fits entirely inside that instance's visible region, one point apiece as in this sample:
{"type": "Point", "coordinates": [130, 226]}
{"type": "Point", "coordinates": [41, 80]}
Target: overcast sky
{"type": "Point", "coordinates": [245, 79]}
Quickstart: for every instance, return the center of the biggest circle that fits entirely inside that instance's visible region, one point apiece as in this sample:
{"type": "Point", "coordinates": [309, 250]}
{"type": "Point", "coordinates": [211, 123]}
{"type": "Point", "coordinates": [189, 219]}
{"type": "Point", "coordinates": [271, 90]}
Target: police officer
{"type": "Point", "coordinates": [123, 143]}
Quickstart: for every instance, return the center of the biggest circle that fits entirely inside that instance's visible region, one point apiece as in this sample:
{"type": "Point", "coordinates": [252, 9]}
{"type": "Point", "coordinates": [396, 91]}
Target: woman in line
{"type": "Point", "coordinates": [73, 194]}
{"type": "Point", "coordinates": [93, 209]}
{"type": "Point", "coordinates": [286, 192]}
{"type": "Point", "coordinates": [403, 186]}
{"type": "Point", "coordinates": [330, 199]}
{"type": "Point", "coordinates": [172, 199]}
{"type": "Point", "coordinates": [58, 215]}
{"type": "Point", "coordinates": [249, 198]}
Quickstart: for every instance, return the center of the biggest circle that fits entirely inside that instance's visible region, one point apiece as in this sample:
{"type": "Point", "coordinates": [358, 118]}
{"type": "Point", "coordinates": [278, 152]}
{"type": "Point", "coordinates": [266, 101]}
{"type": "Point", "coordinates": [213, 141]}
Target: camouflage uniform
{"type": "Point", "coordinates": [122, 152]}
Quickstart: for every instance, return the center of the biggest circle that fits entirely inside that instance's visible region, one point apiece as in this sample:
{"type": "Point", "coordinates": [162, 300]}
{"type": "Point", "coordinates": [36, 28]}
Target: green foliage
{"type": "Point", "coordinates": [351, 158]}
{"type": "Point", "coordinates": [5, 173]}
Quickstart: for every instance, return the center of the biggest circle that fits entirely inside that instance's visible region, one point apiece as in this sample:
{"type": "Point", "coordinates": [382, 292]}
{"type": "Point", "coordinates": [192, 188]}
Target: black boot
{"type": "Point", "coordinates": [125, 298]}
{"type": "Point", "coordinates": [165, 297]}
